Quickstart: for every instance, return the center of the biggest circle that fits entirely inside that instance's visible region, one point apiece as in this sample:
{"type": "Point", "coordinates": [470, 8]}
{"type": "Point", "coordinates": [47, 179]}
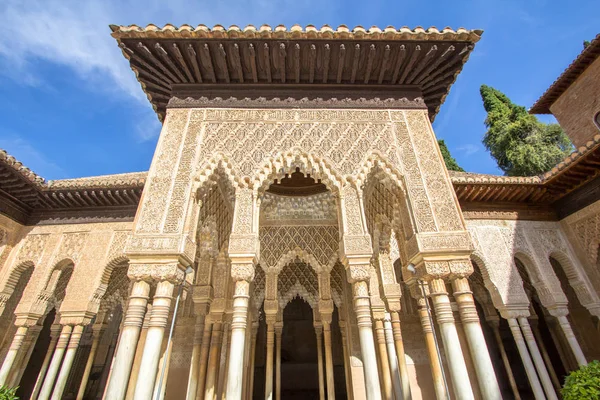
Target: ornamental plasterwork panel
{"type": "Point", "coordinates": [321, 242]}
{"type": "Point", "coordinates": [318, 209]}
{"type": "Point", "coordinates": [298, 279]}
{"type": "Point", "coordinates": [337, 280]}
{"type": "Point", "coordinates": [217, 206]}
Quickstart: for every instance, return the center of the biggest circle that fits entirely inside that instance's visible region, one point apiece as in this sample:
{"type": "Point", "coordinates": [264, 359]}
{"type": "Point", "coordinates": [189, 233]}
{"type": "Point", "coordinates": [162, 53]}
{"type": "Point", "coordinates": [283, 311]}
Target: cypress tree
{"type": "Point", "coordinates": [451, 163]}
{"type": "Point", "coordinates": [520, 143]}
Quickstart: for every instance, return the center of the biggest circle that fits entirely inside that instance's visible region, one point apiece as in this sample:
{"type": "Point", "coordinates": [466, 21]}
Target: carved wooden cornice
{"type": "Point", "coordinates": [167, 59]}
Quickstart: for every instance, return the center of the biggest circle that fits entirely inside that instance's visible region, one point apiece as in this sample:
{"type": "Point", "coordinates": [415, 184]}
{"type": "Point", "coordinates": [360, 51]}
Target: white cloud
{"type": "Point", "coordinates": [468, 149]}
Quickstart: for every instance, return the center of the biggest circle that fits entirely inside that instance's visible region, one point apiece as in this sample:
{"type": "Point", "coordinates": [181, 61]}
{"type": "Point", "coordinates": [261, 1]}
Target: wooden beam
{"type": "Point", "coordinates": [385, 64]}
{"type": "Point", "coordinates": [194, 58]}
{"type": "Point", "coordinates": [448, 68]}
{"type": "Point", "coordinates": [222, 61]}
{"type": "Point", "coordinates": [425, 73]}
{"type": "Point", "coordinates": [182, 63]}
{"type": "Point", "coordinates": [297, 62]}
{"type": "Point", "coordinates": [326, 57]}
{"type": "Point", "coordinates": [167, 59]}
{"type": "Point", "coordinates": [267, 60]}
{"type": "Point", "coordinates": [282, 56]}
{"type": "Point", "coordinates": [312, 61]}
{"type": "Point", "coordinates": [341, 63]}
{"type": "Point", "coordinates": [370, 59]}
{"type": "Point", "coordinates": [399, 61]}
{"type": "Point", "coordinates": [147, 66]}
{"type": "Point", "coordinates": [424, 61]}
{"type": "Point", "coordinates": [206, 58]}
{"type": "Point", "coordinates": [237, 62]}
{"type": "Point", "coordinates": [355, 63]}
{"type": "Point", "coordinates": [252, 54]}
{"type": "Point", "coordinates": [413, 58]}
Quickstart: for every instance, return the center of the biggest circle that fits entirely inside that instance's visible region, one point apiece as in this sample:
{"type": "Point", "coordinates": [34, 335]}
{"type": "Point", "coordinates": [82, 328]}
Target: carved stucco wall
{"type": "Point", "coordinates": [93, 248]}
{"type": "Point", "coordinates": [497, 242]}
{"type": "Point", "coordinates": [251, 146]}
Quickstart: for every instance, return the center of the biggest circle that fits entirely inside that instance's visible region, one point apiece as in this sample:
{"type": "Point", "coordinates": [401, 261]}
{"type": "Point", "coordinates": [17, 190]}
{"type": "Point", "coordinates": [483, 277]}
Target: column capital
{"type": "Point", "coordinates": [514, 311]}
{"type": "Point", "coordinates": [558, 311]}
{"type": "Point", "coordinates": [76, 318]}
{"type": "Point", "coordinates": [358, 272]}
{"type": "Point", "coordinates": [242, 269]}
{"type": "Point", "coordinates": [27, 319]}
{"type": "Point", "coordinates": [202, 295]}
{"type": "Point", "coordinates": [159, 269]}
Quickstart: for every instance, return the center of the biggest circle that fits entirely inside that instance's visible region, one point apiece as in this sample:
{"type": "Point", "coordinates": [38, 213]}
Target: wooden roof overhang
{"type": "Point", "coordinates": [300, 62]}
{"type": "Point", "coordinates": [569, 75]}
{"type": "Point", "coordinates": [546, 190]}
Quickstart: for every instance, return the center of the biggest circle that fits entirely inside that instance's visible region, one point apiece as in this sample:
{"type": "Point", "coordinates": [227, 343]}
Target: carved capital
{"type": "Point", "coordinates": [171, 271]}
{"type": "Point", "coordinates": [326, 308]}
{"type": "Point", "coordinates": [271, 307]}
{"type": "Point", "coordinates": [358, 273]}
{"type": "Point", "coordinates": [559, 311]}
{"type": "Point", "coordinates": [242, 271]}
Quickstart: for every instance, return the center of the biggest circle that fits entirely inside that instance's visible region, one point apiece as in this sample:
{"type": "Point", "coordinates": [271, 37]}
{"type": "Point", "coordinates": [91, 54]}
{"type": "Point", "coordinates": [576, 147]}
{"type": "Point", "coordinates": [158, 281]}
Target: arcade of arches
{"type": "Point", "coordinates": [330, 255]}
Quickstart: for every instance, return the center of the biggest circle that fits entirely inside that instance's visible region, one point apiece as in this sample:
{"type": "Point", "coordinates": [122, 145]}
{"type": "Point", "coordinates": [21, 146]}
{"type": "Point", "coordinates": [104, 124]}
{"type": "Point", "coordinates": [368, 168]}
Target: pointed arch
{"type": "Point", "coordinates": [303, 256]}
{"type": "Point", "coordinates": [576, 279]}
{"type": "Point", "coordinates": [530, 274]}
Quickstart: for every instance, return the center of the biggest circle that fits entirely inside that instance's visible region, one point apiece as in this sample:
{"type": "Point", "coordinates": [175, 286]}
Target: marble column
{"type": "Point", "coordinates": [195, 361]}
{"type": "Point", "coordinates": [65, 370]}
{"type": "Point", "coordinates": [362, 309]}
{"type": "Point", "coordinates": [252, 358]}
{"type": "Point", "coordinates": [319, 333]}
{"type": "Point", "coordinates": [203, 362]}
{"type": "Point", "coordinates": [11, 355]}
{"type": "Point", "coordinates": [347, 374]}
{"type": "Point", "coordinates": [28, 346]}
{"type": "Point", "coordinates": [545, 356]}
{"type": "Point", "coordinates": [210, 386]}
{"type": "Point", "coordinates": [54, 335]}
{"type": "Point", "coordinates": [484, 370]}
{"type": "Point", "coordinates": [402, 366]}
{"type": "Point", "coordinates": [439, 385]}
{"type": "Point", "coordinates": [269, 359]}
{"type": "Point", "coordinates": [571, 339]}
{"type": "Point", "coordinates": [454, 353]}
{"type": "Point", "coordinates": [223, 358]}
{"type": "Point", "coordinates": [278, 332]}
{"type": "Point", "coordinates": [328, 357]}
{"type": "Point", "coordinates": [61, 345]}
{"type": "Point", "coordinates": [534, 382]}
{"type": "Point", "coordinates": [393, 360]}
{"type": "Point", "coordinates": [537, 359]}
{"type": "Point", "coordinates": [161, 306]}
{"type": "Point", "coordinates": [139, 351]}
{"type": "Point", "coordinates": [495, 324]}
{"type": "Point", "coordinates": [384, 360]}
{"type": "Point", "coordinates": [132, 324]}
{"type": "Point", "coordinates": [97, 331]}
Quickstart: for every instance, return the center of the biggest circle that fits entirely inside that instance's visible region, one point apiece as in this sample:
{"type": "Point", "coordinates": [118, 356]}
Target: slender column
{"type": "Point", "coordinates": [538, 392]}
{"type": "Point", "coordinates": [161, 306]}
{"type": "Point", "coordinates": [572, 340]}
{"type": "Point", "coordinates": [204, 350]}
{"type": "Point", "coordinates": [488, 384]}
{"type": "Point", "coordinates": [362, 309]}
{"type": "Point", "coordinates": [11, 356]}
{"type": "Point", "coordinates": [347, 375]}
{"type": "Point", "coordinates": [454, 356]}
{"type": "Point", "coordinates": [61, 345]}
{"type": "Point", "coordinates": [545, 356]}
{"type": "Point", "coordinates": [384, 360]}
{"type": "Point", "coordinates": [278, 331]}
{"type": "Point", "coordinates": [123, 361]}
{"type": "Point", "coordinates": [223, 357]}
{"type": "Point", "coordinates": [139, 351]}
{"type": "Point", "coordinates": [97, 331]}
{"type": "Point", "coordinates": [399, 345]}
{"type": "Point", "coordinates": [247, 349]}
{"type": "Point", "coordinates": [28, 345]}
{"type": "Point", "coordinates": [67, 363]}
{"type": "Point", "coordinates": [393, 361]}
{"type": "Point", "coordinates": [195, 361]}
{"type": "Point", "coordinates": [210, 387]}
{"type": "Point", "coordinates": [269, 360]}
{"type": "Point", "coordinates": [537, 359]}
{"type": "Point", "coordinates": [54, 335]}
{"type": "Point", "coordinates": [328, 359]}
{"type": "Point", "coordinates": [319, 333]}
{"type": "Point", "coordinates": [252, 357]}
{"type": "Point", "coordinates": [494, 323]}
{"type": "Point", "coordinates": [436, 367]}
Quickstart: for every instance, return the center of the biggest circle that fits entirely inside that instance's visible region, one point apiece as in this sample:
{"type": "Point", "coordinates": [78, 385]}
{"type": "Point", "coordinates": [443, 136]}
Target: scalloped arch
{"type": "Point", "coordinates": [301, 254]}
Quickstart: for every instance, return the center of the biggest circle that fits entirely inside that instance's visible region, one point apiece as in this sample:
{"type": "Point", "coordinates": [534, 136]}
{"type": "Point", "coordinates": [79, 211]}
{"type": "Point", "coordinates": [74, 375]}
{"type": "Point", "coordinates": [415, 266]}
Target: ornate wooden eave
{"type": "Point", "coordinates": [569, 75]}
{"type": "Point", "coordinates": [297, 63]}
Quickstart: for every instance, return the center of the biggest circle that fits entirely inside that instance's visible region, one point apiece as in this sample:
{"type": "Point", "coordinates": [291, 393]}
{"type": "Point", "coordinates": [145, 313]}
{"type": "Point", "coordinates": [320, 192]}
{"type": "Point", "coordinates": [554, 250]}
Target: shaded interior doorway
{"type": "Point", "coordinates": [299, 368]}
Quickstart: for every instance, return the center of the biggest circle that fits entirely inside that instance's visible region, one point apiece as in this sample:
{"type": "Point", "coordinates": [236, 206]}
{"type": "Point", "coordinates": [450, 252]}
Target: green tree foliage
{"type": "Point", "coordinates": [451, 163]}
{"type": "Point", "coordinates": [586, 43]}
{"type": "Point", "coordinates": [520, 143]}
{"type": "Point", "coordinates": [583, 383]}
{"type": "Point", "coordinates": [7, 393]}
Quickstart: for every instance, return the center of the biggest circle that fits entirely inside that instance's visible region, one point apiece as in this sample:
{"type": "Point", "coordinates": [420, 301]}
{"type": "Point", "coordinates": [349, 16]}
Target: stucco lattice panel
{"type": "Point", "coordinates": [379, 200]}
{"type": "Point", "coordinates": [71, 246]}
{"type": "Point", "coordinates": [587, 231]}
{"type": "Point", "coordinates": [117, 245]}
{"type": "Point", "coordinates": [118, 287]}
{"type": "Point", "coordinates": [438, 185]}
{"type": "Point", "coordinates": [276, 241]}
{"type": "Point", "coordinates": [342, 137]}
{"type": "Point", "coordinates": [298, 278]}
{"type": "Point", "coordinates": [215, 206]}
{"type": "Point", "coordinates": [162, 173]}
{"type": "Point", "coordinates": [352, 209]}
{"type": "Point", "coordinates": [338, 275]}
{"type": "Point", "coordinates": [259, 287]}
{"type": "Point", "coordinates": [32, 249]}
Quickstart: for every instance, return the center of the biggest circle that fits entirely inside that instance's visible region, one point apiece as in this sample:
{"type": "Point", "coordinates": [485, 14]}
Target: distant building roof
{"type": "Point", "coordinates": [179, 61]}
{"type": "Point", "coordinates": [573, 71]}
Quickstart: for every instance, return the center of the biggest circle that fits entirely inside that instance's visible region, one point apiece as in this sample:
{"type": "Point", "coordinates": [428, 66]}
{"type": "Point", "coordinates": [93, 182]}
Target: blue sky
{"type": "Point", "coordinates": [70, 106]}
